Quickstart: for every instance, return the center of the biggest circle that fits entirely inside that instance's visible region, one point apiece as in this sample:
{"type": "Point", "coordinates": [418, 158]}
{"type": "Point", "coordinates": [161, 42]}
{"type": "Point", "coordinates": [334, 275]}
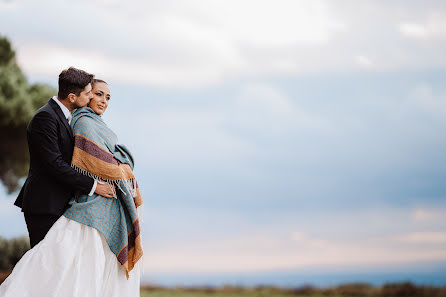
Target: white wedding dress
{"type": "Point", "coordinates": [73, 260]}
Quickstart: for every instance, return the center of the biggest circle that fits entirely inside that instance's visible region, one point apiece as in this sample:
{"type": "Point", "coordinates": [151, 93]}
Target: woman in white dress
{"type": "Point", "coordinates": [94, 249]}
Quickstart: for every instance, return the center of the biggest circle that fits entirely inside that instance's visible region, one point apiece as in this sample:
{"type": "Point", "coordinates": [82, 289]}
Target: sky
{"type": "Point", "coordinates": [268, 136]}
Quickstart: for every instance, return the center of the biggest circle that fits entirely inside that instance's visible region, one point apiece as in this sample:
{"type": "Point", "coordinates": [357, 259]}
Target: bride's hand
{"type": "Point", "coordinates": [105, 189]}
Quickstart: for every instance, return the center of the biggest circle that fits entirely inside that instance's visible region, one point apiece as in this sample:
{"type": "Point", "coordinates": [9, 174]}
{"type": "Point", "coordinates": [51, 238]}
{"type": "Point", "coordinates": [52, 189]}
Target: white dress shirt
{"type": "Point", "coordinates": [67, 115]}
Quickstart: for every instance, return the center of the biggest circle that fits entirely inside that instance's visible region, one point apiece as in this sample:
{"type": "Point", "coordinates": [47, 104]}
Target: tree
{"type": "Point", "coordinates": [18, 102]}
{"type": "Point", "coordinates": [11, 251]}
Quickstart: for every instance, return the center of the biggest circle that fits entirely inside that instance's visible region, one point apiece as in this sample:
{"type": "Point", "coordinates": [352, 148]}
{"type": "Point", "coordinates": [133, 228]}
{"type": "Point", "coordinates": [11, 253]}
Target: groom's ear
{"type": "Point", "coordinates": [71, 98]}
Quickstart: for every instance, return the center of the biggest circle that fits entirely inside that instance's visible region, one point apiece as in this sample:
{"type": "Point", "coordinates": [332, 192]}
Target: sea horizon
{"type": "Point", "coordinates": [424, 274]}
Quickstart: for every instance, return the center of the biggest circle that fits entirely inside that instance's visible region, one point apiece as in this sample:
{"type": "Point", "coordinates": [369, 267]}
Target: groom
{"type": "Point", "coordinates": [51, 181]}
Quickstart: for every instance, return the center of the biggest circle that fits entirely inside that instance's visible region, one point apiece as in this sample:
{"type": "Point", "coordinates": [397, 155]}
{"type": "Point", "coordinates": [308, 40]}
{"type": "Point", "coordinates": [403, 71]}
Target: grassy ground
{"type": "Point", "coordinates": [347, 290]}
{"type": "Point", "coordinates": [177, 293]}
{"type": "Point", "coordinates": [221, 292]}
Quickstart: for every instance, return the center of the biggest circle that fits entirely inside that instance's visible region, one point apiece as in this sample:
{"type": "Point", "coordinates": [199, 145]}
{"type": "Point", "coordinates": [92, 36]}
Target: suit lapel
{"type": "Point", "coordinates": [61, 116]}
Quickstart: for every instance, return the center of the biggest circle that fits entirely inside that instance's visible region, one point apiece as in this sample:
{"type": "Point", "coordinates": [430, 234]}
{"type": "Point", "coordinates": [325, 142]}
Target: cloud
{"type": "Point", "coordinates": [198, 43]}
{"type": "Point", "coordinates": [260, 251]}
{"type": "Point", "coordinates": [177, 44]}
{"type": "Point", "coordinates": [232, 242]}
{"type": "Point", "coordinates": [198, 133]}
{"type": "Point", "coordinates": [432, 29]}
{"type": "Point", "coordinates": [264, 111]}
{"type": "Point", "coordinates": [429, 215]}
{"type": "Point", "coordinates": [424, 237]}
{"type": "Point", "coordinates": [366, 141]}
{"type": "Point", "coordinates": [215, 135]}
{"type": "Point", "coordinates": [8, 4]}
{"type": "Point", "coordinates": [364, 61]}
{"type": "Point", "coordinates": [49, 59]}
{"type": "Point", "coordinates": [284, 22]}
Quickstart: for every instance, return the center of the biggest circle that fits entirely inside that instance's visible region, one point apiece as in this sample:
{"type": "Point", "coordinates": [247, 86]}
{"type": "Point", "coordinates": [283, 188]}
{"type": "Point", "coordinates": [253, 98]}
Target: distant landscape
{"type": "Point", "coordinates": [347, 290]}
{"type": "Point", "coordinates": [388, 290]}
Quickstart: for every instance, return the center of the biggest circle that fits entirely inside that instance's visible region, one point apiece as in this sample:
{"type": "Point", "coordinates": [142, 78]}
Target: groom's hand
{"type": "Point", "coordinates": [105, 190]}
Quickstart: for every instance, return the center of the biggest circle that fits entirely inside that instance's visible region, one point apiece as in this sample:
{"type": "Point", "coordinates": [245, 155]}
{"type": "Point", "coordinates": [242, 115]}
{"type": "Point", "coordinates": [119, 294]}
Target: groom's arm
{"type": "Point", "coordinates": [43, 137]}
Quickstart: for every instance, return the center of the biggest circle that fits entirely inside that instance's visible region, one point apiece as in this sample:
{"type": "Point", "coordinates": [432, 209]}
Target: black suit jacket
{"type": "Point", "coordinates": [51, 180]}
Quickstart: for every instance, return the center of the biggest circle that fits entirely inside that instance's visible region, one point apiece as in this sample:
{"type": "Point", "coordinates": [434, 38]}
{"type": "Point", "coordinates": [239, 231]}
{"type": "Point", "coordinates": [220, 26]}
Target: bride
{"type": "Point", "coordinates": [94, 249]}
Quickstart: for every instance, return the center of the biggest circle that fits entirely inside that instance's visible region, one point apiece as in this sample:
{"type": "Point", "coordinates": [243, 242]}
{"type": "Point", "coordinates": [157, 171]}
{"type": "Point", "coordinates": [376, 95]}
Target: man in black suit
{"type": "Point", "coordinates": [51, 180]}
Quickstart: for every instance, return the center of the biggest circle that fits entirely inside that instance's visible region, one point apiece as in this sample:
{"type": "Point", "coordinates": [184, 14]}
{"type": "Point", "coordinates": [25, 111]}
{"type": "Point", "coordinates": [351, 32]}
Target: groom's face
{"type": "Point", "coordinates": [84, 97]}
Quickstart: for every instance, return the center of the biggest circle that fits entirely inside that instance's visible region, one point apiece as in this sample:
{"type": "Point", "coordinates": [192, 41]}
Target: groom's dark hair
{"type": "Point", "coordinates": [73, 80]}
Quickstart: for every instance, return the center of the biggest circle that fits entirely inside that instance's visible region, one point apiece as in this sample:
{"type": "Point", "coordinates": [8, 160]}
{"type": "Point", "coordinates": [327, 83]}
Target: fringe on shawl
{"type": "Point", "coordinates": [130, 184]}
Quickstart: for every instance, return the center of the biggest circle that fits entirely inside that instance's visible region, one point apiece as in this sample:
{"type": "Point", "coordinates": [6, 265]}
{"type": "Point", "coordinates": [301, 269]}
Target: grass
{"type": "Point", "coordinates": [226, 291]}
{"type": "Point", "coordinates": [346, 290]}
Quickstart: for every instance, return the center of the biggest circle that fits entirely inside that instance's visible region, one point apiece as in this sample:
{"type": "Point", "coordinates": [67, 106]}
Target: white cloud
{"type": "Point", "coordinates": [262, 108]}
{"type": "Point", "coordinates": [186, 138]}
{"type": "Point", "coordinates": [8, 4]}
{"type": "Point", "coordinates": [429, 214]}
{"type": "Point", "coordinates": [284, 22]}
{"type": "Point", "coordinates": [424, 237]}
{"type": "Point", "coordinates": [187, 44]}
{"type": "Point", "coordinates": [200, 43]}
{"type": "Point", "coordinates": [432, 29]}
{"type": "Point", "coordinates": [412, 30]}
{"type": "Point", "coordinates": [49, 60]}
{"type": "Point", "coordinates": [364, 61]}
{"type": "Point", "coordinates": [298, 236]}
{"type": "Point", "coordinates": [257, 251]}
{"type": "Point", "coordinates": [360, 238]}
{"type": "Point", "coordinates": [217, 137]}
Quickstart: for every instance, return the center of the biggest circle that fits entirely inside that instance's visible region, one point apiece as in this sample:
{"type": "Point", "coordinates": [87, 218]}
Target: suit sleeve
{"type": "Point", "coordinates": [44, 138]}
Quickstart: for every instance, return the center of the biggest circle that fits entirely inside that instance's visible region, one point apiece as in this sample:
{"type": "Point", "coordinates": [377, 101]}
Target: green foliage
{"type": "Point", "coordinates": [11, 251]}
{"type": "Point", "coordinates": [410, 290]}
{"type": "Point", "coordinates": [6, 52]}
{"type": "Point", "coordinates": [18, 102]}
{"type": "Point", "coordinates": [397, 290]}
{"type": "Point", "coordinates": [355, 289]}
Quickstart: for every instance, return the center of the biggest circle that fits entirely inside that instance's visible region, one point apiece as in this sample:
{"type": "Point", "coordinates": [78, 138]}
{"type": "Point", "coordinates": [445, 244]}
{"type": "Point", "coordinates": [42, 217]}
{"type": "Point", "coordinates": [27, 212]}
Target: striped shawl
{"type": "Point", "coordinates": [97, 154]}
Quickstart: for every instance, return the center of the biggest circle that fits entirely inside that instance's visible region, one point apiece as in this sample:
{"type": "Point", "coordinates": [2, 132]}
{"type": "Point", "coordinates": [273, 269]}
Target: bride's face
{"type": "Point", "coordinates": [101, 96]}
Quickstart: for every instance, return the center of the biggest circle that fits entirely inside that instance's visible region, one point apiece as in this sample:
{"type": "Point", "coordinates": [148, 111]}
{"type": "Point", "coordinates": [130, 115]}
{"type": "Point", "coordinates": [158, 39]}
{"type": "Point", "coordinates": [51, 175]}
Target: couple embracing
{"type": "Point", "coordinates": [81, 201]}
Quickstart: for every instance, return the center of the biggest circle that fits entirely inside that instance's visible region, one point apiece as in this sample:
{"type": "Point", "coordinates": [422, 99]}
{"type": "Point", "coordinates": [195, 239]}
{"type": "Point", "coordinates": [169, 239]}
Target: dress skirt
{"type": "Point", "coordinates": [73, 260]}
